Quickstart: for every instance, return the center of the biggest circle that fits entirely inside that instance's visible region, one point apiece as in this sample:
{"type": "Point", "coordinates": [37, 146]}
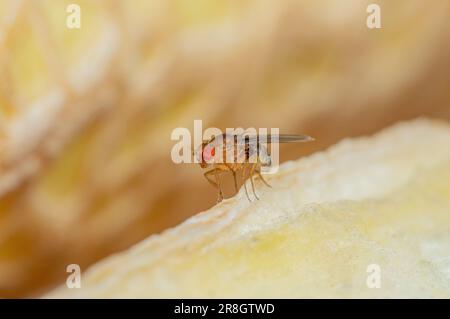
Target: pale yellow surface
{"type": "Point", "coordinates": [381, 200]}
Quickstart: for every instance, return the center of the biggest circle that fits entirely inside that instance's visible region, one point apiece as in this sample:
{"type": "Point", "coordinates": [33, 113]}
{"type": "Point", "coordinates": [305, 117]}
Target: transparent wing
{"type": "Point", "coordinates": [281, 138]}
{"type": "Point", "coordinates": [242, 146]}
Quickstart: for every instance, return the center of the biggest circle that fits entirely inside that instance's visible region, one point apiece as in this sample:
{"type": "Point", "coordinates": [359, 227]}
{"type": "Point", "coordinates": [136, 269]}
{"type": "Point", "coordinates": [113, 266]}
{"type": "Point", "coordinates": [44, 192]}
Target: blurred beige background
{"type": "Point", "coordinates": [86, 114]}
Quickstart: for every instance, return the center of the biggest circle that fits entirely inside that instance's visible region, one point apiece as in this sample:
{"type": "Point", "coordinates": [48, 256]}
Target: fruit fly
{"type": "Point", "coordinates": [239, 152]}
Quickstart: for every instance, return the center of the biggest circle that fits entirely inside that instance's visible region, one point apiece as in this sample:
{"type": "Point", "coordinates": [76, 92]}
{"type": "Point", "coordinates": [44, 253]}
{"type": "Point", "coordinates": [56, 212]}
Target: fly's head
{"type": "Point", "coordinates": [205, 154]}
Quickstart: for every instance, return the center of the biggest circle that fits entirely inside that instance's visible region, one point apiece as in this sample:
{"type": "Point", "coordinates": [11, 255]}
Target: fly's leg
{"type": "Point", "coordinates": [220, 195]}
{"type": "Point", "coordinates": [215, 183]}
{"type": "Point", "coordinates": [234, 177]}
{"type": "Point", "coordinates": [235, 181]}
{"type": "Point", "coordinates": [245, 183]}
{"type": "Point", "coordinates": [264, 181]}
{"type": "Point", "coordinates": [206, 174]}
{"type": "Point", "coordinates": [252, 170]}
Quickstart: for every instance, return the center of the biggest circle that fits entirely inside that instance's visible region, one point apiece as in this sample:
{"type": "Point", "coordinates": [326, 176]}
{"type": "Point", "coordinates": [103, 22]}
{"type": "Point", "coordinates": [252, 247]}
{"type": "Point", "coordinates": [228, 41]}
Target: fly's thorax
{"type": "Point", "coordinates": [231, 149]}
{"type": "Point", "coordinates": [225, 149]}
{"type": "Point", "coordinates": [257, 153]}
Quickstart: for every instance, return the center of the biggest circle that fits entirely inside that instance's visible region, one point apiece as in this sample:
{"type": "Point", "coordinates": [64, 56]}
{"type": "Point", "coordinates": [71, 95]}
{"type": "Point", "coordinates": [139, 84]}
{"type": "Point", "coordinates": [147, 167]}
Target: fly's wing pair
{"type": "Point", "coordinates": [267, 139]}
{"type": "Point", "coordinates": [244, 146]}
{"type": "Point", "coordinates": [281, 138]}
{"type": "Point", "coordinates": [257, 144]}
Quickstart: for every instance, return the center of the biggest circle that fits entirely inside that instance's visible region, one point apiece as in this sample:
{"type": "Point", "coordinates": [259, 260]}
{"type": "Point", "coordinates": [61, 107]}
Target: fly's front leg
{"type": "Point", "coordinates": [215, 183]}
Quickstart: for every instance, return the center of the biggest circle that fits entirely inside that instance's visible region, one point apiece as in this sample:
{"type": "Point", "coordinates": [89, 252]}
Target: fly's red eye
{"type": "Point", "coordinates": [209, 153]}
